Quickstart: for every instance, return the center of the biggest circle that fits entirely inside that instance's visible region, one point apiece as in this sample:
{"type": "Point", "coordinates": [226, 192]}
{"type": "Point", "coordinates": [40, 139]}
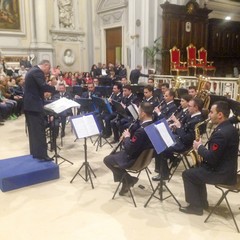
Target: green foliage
{"type": "Point", "coordinates": [153, 51]}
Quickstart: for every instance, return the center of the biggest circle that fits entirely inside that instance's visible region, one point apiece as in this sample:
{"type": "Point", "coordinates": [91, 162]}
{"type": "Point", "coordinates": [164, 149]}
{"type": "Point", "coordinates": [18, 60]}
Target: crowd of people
{"type": "Point", "coordinates": [115, 119]}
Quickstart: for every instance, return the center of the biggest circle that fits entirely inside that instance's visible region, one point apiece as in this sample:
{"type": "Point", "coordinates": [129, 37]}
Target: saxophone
{"type": "Point", "coordinates": [196, 158]}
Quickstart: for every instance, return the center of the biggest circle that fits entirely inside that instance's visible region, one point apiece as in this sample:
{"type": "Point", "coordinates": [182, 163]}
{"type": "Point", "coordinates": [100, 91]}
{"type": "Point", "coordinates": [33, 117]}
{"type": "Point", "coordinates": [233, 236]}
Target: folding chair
{"type": "Point", "coordinates": [225, 189]}
{"type": "Point", "coordinates": [140, 164]}
{"type": "Point", "coordinates": [183, 157]}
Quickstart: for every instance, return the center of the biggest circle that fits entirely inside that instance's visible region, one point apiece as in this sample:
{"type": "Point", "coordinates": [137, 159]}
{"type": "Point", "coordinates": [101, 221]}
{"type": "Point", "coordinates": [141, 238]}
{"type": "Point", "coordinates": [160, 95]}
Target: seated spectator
{"type": "Point", "coordinates": [22, 71]}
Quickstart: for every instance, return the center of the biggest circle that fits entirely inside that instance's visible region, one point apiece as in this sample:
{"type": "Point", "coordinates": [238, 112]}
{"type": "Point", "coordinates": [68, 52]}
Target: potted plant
{"type": "Point", "coordinates": [151, 53]}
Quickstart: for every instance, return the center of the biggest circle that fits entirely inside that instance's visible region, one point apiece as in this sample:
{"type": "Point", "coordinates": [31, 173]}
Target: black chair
{"type": "Point", "coordinates": [225, 189]}
{"type": "Point", "coordinates": [140, 164]}
{"type": "Point", "coordinates": [182, 158]}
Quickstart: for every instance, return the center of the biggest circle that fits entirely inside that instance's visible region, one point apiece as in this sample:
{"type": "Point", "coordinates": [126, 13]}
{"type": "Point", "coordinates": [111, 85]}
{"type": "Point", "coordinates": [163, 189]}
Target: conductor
{"type": "Point", "coordinates": [35, 86]}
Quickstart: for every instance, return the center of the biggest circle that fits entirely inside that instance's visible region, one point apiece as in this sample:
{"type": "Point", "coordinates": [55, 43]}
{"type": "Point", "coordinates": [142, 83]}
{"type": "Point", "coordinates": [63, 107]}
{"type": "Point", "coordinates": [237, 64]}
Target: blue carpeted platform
{"type": "Point", "coordinates": [23, 171]}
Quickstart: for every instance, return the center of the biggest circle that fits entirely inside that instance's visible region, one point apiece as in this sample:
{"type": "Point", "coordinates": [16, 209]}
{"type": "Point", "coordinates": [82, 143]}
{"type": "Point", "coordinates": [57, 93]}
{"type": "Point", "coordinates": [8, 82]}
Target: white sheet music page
{"type": "Point", "coordinates": [165, 134]}
{"type": "Point", "coordinates": [91, 125]}
{"type": "Point", "coordinates": [85, 126]}
{"type": "Point", "coordinates": [61, 105]}
{"type": "Point", "coordinates": [133, 109]}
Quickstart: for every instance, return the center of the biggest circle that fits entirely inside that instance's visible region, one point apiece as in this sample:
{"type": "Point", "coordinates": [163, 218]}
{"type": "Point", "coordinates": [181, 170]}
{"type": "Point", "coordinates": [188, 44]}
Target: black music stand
{"type": "Point", "coordinates": [53, 133]}
{"type": "Point", "coordinates": [84, 127]}
{"type": "Point", "coordinates": [158, 132]}
{"type": "Point", "coordinates": [101, 105]}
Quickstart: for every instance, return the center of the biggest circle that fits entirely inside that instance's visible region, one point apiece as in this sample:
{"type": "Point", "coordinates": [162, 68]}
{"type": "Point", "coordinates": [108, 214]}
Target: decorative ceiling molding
{"type": "Point", "coordinates": [110, 5]}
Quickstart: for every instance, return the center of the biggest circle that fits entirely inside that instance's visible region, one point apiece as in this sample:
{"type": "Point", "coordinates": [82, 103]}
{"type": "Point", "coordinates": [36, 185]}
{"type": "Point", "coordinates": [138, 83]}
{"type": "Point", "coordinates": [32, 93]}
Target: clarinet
{"type": "Point", "coordinates": [120, 142]}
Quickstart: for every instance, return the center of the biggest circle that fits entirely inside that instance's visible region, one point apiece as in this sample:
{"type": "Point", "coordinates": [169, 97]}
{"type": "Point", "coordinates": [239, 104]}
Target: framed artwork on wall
{"type": "Point", "coordinates": [12, 17]}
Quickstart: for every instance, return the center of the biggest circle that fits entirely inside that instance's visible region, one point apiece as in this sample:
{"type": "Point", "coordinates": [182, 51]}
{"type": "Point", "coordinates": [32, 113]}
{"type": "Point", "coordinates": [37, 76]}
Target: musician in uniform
{"type": "Point", "coordinates": [181, 111]}
{"type": "Point", "coordinates": [133, 144]}
{"type": "Point", "coordinates": [184, 135]}
{"type": "Point", "coordinates": [218, 164]}
{"type": "Point", "coordinates": [107, 117]}
{"type": "Point", "coordinates": [167, 106]}
{"type": "Point", "coordinates": [120, 123]}
{"type": "Point", "coordinates": [148, 95]}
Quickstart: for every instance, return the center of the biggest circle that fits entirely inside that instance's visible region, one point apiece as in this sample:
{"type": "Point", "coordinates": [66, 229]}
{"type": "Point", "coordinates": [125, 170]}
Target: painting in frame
{"type": "Point", "coordinates": [11, 17]}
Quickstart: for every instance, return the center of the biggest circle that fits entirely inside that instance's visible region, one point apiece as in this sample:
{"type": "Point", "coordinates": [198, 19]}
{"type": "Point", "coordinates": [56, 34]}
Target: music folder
{"type": "Point", "coordinates": [84, 126]}
{"type": "Point", "coordinates": [160, 135]}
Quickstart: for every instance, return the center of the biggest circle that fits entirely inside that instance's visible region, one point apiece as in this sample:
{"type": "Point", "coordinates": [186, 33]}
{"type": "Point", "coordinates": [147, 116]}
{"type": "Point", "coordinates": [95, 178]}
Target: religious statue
{"type": "Point", "coordinates": [65, 13]}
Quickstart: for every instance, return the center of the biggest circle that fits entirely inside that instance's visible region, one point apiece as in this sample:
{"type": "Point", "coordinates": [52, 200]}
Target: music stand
{"type": "Point", "coordinates": [161, 137]}
{"type": "Point", "coordinates": [84, 127]}
{"type": "Point", "coordinates": [235, 106]}
{"type": "Point", "coordinates": [101, 105]}
{"type": "Point", "coordinates": [86, 105]}
{"type": "Point", "coordinates": [53, 109]}
{"type": "Point", "coordinates": [120, 109]}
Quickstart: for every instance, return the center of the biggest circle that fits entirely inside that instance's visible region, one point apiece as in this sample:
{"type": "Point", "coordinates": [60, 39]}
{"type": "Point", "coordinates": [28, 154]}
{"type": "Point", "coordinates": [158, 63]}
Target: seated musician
{"type": "Point", "coordinates": [120, 123]}
{"type": "Point", "coordinates": [91, 91]}
{"type": "Point", "coordinates": [107, 117]}
{"type": "Point", "coordinates": [148, 95]}
{"type": "Point", "coordinates": [192, 91]}
{"type": "Point", "coordinates": [134, 144]}
{"type": "Point", "coordinates": [184, 135]}
{"type": "Point", "coordinates": [218, 161]}
{"type": "Point", "coordinates": [63, 115]}
{"type": "Point", "coordinates": [167, 106]}
{"type": "Point", "coordinates": [181, 111]}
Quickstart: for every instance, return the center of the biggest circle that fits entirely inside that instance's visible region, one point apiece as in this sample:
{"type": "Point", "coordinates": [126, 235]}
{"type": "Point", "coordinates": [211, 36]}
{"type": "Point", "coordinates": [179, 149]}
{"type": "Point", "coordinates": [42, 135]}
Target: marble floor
{"type": "Point", "coordinates": [62, 210]}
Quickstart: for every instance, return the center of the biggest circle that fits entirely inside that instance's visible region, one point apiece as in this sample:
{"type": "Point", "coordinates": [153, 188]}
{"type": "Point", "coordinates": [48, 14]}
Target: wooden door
{"type": "Point", "coordinates": [114, 45]}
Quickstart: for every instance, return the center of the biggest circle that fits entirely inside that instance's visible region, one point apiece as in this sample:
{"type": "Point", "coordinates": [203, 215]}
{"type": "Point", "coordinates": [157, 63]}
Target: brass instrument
{"type": "Point", "coordinates": [196, 158]}
{"type": "Point", "coordinates": [203, 93]}
{"type": "Point", "coordinates": [178, 82]}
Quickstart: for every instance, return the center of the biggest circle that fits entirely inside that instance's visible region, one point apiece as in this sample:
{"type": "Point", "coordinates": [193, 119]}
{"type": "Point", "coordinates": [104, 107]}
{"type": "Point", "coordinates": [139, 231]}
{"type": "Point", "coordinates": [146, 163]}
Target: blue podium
{"type": "Point", "coordinates": [22, 171]}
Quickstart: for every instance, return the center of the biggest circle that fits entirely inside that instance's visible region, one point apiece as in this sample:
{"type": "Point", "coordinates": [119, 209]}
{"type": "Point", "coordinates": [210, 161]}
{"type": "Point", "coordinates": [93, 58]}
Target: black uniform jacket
{"type": "Point", "coordinates": [134, 146]}
{"type": "Point", "coordinates": [167, 110]}
{"type": "Point", "coordinates": [221, 157]}
{"type": "Point", "coordinates": [186, 133]}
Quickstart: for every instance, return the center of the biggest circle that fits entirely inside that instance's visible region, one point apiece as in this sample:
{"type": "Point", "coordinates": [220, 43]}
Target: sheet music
{"type": "Point", "coordinates": [165, 134]}
{"type": "Point", "coordinates": [133, 110]}
{"type": "Point", "coordinates": [61, 105]}
{"type": "Point", "coordinates": [85, 126]}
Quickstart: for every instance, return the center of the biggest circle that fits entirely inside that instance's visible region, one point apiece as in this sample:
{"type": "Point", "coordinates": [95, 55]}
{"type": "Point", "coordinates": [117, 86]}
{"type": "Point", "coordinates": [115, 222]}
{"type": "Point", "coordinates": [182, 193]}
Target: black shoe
{"type": "Point", "coordinates": [46, 159]}
{"type": "Point", "coordinates": [175, 161]}
{"type": "Point", "coordinates": [113, 142]}
{"type": "Point", "coordinates": [133, 181]}
{"type": "Point", "coordinates": [123, 190]}
{"type": "Point", "coordinates": [158, 178]}
{"type": "Point", "coordinates": [192, 210]}
{"type": "Point", "coordinates": [107, 135]}
{"type": "Point", "coordinates": [206, 206]}
{"type": "Point", "coordinates": [1, 123]}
